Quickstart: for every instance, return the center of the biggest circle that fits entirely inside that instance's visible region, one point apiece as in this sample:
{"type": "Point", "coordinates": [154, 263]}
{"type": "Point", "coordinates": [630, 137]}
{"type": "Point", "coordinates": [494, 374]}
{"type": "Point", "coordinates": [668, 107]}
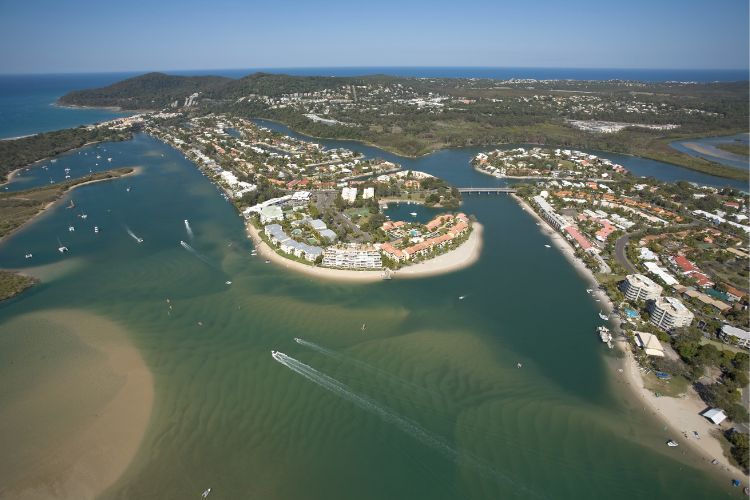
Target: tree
{"type": "Point", "coordinates": [740, 448]}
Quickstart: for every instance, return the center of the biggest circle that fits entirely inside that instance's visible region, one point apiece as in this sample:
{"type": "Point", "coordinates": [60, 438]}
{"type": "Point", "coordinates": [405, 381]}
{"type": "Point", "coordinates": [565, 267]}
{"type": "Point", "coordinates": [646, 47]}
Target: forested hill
{"type": "Point", "coordinates": [157, 90]}
{"type": "Point", "coordinates": [149, 91]}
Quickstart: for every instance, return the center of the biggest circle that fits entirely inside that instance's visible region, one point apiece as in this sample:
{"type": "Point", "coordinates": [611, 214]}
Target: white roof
{"type": "Point", "coordinates": [715, 415]}
{"type": "Point", "coordinates": [735, 332]}
{"type": "Point", "coordinates": [651, 344]}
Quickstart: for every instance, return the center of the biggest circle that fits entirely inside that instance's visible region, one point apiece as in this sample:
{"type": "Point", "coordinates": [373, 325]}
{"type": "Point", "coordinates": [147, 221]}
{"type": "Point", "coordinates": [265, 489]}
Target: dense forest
{"type": "Point", "coordinates": [149, 91]}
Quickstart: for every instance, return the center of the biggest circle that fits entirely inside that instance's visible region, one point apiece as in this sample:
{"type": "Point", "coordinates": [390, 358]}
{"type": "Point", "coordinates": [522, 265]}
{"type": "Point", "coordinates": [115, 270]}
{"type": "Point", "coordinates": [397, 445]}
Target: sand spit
{"type": "Point", "coordinates": [77, 406]}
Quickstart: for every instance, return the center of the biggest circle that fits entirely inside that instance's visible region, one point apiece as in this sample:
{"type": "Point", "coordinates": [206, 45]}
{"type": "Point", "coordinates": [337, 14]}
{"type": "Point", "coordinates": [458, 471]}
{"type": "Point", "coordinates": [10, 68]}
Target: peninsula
{"type": "Point", "coordinates": [321, 207]}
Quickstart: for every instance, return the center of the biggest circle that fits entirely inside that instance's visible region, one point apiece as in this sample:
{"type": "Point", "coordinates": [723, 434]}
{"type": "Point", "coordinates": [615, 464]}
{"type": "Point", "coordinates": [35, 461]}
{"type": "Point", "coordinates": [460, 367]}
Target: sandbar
{"type": "Point", "coordinates": [78, 408]}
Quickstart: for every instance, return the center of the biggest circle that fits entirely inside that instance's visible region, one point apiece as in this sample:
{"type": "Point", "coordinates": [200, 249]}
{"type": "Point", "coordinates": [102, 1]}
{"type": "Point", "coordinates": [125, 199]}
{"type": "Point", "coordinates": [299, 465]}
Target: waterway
{"type": "Point", "coordinates": [707, 149]}
{"type": "Point", "coordinates": [452, 163]}
{"type": "Point", "coordinates": [426, 402]}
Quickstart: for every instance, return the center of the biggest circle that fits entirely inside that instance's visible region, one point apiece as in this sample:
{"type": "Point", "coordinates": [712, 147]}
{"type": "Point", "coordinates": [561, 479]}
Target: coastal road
{"type": "Point", "coordinates": [620, 254]}
{"type": "Point", "coordinates": [622, 243]}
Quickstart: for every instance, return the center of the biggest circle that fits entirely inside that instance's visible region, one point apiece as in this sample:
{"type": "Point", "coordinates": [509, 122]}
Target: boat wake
{"type": "Point", "coordinates": [133, 235]}
{"type": "Point", "coordinates": [388, 415]}
{"type": "Point", "coordinates": [188, 229]}
{"type": "Point", "coordinates": [364, 366]}
{"type": "Point", "coordinates": [404, 424]}
{"type": "Point", "coordinates": [197, 254]}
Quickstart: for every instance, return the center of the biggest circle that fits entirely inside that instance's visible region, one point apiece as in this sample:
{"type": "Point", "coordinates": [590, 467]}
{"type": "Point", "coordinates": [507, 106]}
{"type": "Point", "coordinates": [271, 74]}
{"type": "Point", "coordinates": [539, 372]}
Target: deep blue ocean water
{"type": "Point", "coordinates": [645, 75]}
{"type": "Point", "coordinates": [27, 102]}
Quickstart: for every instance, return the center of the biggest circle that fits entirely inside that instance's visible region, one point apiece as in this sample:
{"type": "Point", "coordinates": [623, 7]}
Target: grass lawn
{"type": "Point", "coordinates": [721, 346]}
{"type": "Point", "coordinates": [671, 388]}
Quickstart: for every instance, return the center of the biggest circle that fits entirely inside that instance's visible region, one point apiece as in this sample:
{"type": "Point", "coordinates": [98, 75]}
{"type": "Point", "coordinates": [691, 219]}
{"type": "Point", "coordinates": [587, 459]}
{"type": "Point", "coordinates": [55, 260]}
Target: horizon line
{"type": "Point", "coordinates": [257, 68]}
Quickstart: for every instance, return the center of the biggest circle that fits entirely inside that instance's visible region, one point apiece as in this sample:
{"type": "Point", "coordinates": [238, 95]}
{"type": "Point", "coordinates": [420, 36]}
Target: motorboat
{"type": "Point", "coordinates": [28, 256]}
{"type": "Point", "coordinates": [547, 246]}
{"type": "Point", "coordinates": [71, 229]}
{"type": "Point", "coordinates": [672, 443]}
{"type": "Point", "coordinates": [96, 229]}
{"type": "Point", "coordinates": [603, 316]}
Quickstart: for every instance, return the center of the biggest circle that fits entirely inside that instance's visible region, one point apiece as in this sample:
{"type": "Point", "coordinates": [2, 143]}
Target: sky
{"type": "Point", "coordinates": [42, 36]}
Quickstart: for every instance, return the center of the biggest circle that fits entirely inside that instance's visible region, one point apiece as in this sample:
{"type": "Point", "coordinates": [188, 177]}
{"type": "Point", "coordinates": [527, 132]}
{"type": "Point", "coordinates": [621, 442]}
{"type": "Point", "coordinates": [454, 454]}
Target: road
{"type": "Point", "coordinates": [620, 254]}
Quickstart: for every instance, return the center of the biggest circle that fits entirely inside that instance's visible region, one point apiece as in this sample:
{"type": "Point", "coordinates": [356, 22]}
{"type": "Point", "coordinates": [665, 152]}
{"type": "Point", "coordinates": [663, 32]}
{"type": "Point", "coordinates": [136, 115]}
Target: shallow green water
{"type": "Point", "coordinates": [425, 402]}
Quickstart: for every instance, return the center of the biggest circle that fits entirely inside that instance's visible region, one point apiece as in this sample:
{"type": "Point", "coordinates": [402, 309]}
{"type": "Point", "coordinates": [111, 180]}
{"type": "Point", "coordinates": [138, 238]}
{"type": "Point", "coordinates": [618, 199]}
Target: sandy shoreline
{"type": "Point", "coordinates": [713, 152]}
{"type": "Point", "coordinates": [682, 416]}
{"type": "Point", "coordinates": [463, 256]}
{"type": "Point", "coordinates": [136, 170]}
{"type": "Point", "coordinates": [33, 164]}
{"type": "Point", "coordinates": [78, 425]}
{"type": "Point", "coordinates": [679, 414]}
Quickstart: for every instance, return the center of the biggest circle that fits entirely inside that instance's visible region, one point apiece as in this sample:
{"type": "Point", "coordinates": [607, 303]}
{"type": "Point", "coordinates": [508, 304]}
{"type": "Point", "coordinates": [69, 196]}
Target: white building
{"type": "Point", "coordinates": [549, 214]}
{"type": "Point", "coordinates": [737, 335]}
{"type": "Point", "coordinates": [649, 343]}
{"type": "Point", "coordinates": [349, 194]}
{"type": "Point", "coordinates": [715, 415]}
{"type": "Point", "coordinates": [352, 257]}
{"type": "Point", "coordinates": [271, 214]}
{"type": "Point", "coordinates": [661, 273]}
{"type": "Point", "coordinates": [229, 178]}
{"type": "Point", "coordinates": [640, 287]}
{"type": "Point", "coordinates": [668, 313]}
{"type": "Point", "coordinates": [368, 193]}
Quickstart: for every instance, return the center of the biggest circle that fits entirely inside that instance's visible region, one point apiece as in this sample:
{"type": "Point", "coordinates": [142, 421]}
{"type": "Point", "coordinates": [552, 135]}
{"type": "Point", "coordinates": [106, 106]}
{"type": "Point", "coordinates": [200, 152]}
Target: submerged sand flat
{"type": "Point", "coordinates": [75, 403]}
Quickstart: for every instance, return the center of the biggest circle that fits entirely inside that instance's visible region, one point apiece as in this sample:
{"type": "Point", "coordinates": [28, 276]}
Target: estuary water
{"type": "Point", "coordinates": [426, 402]}
{"type": "Point", "coordinates": [707, 148]}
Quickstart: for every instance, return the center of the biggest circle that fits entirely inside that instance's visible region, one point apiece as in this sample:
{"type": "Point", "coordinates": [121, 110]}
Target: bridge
{"type": "Point", "coordinates": [486, 190]}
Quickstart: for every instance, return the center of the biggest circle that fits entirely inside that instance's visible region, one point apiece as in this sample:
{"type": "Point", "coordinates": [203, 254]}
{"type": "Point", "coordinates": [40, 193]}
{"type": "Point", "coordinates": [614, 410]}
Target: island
{"type": "Point", "coordinates": [669, 264]}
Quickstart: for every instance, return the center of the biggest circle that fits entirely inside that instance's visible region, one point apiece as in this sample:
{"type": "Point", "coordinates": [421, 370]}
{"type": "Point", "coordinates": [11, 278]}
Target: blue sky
{"type": "Point", "coordinates": [78, 36]}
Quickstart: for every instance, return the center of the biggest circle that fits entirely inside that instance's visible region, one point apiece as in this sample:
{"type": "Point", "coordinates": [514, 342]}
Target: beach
{"type": "Point", "coordinates": [81, 410]}
{"type": "Point", "coordinates": [680, 414]}
{"type": "Point", "coordinates": [463, 256]}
